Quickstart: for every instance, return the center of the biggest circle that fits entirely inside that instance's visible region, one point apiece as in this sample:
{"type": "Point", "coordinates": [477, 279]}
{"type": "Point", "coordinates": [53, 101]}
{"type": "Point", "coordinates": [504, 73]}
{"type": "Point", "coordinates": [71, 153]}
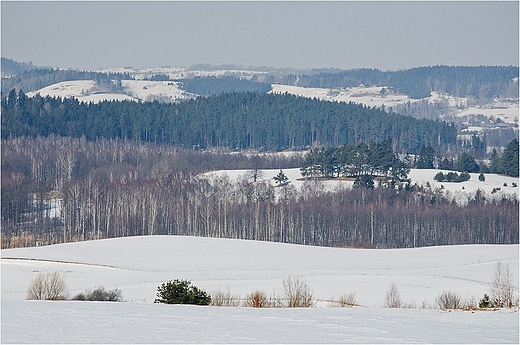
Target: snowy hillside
{"type": "Point", "coordinates": [459, 191]}
{"type": "Point", "coordinates": [135, 90]}
{"type": "Point", "coordinates": [138, 265]}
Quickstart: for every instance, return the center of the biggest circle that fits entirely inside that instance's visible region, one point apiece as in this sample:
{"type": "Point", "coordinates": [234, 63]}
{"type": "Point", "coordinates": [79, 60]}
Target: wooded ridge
{"type": "Point", "coordinates": [236, 121]}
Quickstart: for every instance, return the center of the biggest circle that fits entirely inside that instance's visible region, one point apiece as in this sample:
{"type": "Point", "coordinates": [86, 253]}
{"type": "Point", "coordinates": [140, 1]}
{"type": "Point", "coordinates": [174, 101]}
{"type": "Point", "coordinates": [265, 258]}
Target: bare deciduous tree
{"type": "Point", "coordinates": [393, 298]}
{"type": "Point", "coordinates": [49, 286]}
{"type": "Point", "coordinates": [296, 293]}
{"type": "Point", "coordinates": [502, 292]}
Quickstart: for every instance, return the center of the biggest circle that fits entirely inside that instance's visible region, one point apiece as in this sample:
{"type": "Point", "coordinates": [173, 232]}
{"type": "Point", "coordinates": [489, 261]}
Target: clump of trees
{"type": "Point", "coordinates": [451, 177]}
{"type": "Point", "coordinates": [372, 159]}
{"type": "Point", "coordinates": [507, 163]}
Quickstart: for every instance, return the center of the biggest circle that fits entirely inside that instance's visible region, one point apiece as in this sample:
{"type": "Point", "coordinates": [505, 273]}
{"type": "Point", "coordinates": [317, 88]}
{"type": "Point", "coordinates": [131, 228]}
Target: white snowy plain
{"type": "Point", "coordinates": [138, 265]}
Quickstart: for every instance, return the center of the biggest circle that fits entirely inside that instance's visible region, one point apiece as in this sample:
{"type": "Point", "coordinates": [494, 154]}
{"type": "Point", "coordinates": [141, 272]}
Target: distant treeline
{"type": "Point", "coordinates": [35, 79]}
{"type": "Point", "coordinates": [114, 188]}
{"type": "Point", "coordinates": [235, 121]}
{"type": "Point", "coordinates": [482, 82]}
{"type": "Point", "coordinates": [477, 82]}
{"type": "Point", "coordinates": [215, 85]}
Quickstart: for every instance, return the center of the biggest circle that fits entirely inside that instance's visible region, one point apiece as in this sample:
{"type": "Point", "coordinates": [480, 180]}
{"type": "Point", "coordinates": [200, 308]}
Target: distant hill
{"type": "Point", "coordinates": [11, 67]}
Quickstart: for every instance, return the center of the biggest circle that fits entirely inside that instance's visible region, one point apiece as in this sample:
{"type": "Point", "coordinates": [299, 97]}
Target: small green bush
{"type": "Point", "coordinates": [181, 292]}
{"type": "Point", "coordinates": [485, 302]}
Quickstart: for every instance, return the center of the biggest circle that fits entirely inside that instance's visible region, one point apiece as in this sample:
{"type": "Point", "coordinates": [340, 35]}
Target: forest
{"type": "Point", "coordinates": [479, 82]}
{"type": "Point", "coordinates": [111, 188]}
{"type": "Point", "coordinates": [73, 171]}
{"type": "Point", "coordinates": [235, 120]}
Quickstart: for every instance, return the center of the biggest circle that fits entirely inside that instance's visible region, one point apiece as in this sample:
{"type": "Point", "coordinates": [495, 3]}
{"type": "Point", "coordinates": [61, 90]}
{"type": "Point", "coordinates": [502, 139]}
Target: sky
{"type": "Point", "coordinates": [338, 34]}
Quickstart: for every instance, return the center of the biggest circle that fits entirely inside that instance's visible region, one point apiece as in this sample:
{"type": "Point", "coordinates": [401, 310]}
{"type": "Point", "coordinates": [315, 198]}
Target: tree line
{"type": "Point", "coordinates": [236, 121]}
{"type": "Point", "coordinates": [113, 188]}
{"type": "Point", "coordinates": [478, 82]}
{"type": "Point", "coordinates": [37, 78]}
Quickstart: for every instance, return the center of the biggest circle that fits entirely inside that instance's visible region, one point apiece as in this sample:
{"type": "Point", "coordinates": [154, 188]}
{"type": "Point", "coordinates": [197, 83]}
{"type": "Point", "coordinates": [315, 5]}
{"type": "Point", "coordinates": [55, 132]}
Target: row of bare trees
{"type": "Point", "coordinates": [129, 190]}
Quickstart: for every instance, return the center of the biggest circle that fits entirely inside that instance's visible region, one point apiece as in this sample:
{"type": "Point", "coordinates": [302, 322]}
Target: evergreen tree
{"type": "Point", "coordinates": [510, 158]}
{"type": "Point", "coordinates": [466, 163]}
{"type": "Point", "coordinates": [181, 292]}
{"type": "Point", "coordinates": [426, 156]}
{"type": "Point", "coordinates": [281, 178]}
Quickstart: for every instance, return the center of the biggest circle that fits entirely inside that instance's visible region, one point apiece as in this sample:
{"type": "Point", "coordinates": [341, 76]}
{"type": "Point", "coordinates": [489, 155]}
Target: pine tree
{"type": "Point", "coordinates": [181, 292]}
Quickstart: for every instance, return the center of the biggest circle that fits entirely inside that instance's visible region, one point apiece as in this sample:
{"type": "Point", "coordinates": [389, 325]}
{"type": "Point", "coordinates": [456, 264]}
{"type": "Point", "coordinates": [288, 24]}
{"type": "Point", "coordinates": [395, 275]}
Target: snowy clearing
{"type": "Point", "coordinates": [460, 191]}
{"type": "Point", "coordinates": [138, 265]}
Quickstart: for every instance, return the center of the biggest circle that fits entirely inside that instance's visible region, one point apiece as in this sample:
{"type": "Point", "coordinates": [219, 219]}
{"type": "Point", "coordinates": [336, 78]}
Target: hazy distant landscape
{"type": "Point", "coordinates": [260, 172]}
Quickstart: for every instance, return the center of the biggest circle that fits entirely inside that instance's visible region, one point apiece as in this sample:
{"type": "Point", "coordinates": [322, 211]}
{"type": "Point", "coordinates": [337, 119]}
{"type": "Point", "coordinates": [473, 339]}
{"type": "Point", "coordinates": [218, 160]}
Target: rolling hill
{"type": "Point", "coordinates": [137, 266]}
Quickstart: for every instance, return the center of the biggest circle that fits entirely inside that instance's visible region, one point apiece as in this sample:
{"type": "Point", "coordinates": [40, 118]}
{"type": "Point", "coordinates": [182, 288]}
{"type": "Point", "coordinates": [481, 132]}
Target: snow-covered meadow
{"type": "Point", "coordinates": [460, 191]}
{"type": "Point", "coordinates": [138, 265]}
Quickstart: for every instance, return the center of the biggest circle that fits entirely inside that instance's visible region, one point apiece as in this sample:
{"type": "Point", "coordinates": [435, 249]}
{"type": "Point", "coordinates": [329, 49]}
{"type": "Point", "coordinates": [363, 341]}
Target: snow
{"type": "Point", "coordinates": [134, 90]}
{"type": "Point", "coordinates": [459, 191]}
{"type": "Point", "coordinates": [138, 265]}
{"type": "Point", "coordinates": [370, 96]}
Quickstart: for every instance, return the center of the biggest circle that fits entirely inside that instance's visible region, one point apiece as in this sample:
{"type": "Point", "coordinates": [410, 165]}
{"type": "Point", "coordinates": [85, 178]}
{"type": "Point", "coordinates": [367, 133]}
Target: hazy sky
{"type": "Point", "coordinates": [384, 35]}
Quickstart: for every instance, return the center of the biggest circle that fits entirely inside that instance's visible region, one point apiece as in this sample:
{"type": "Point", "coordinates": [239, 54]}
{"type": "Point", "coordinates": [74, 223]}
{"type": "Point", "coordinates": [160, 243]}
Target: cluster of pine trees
{"type": "Point", "coordinates": [372, 159]}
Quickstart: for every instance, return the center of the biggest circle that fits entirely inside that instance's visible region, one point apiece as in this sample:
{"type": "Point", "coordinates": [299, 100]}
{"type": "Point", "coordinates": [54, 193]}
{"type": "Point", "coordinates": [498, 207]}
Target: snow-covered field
{"type": "Point", "coordinates": [458, 191]}
{"type": "Point", "coordinates": [138, 265]}
{"type": "Point", "coordinates": [134, 90]}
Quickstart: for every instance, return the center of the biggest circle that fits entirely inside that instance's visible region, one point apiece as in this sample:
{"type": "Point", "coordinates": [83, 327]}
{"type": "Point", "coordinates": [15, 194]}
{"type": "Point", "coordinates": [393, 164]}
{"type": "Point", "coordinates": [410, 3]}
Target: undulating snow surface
{"type": "Point", "coordinates": [138, 265]}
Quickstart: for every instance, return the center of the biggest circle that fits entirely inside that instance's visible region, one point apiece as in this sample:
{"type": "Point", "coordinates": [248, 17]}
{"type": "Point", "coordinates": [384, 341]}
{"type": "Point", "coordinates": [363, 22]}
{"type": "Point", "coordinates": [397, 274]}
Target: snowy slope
{"type": "Point", "coordinates": [134, 90]}
{"type": "Point", "coordinates": [137, 265]}
{"type": "Point", "coordinates": [459, 191]}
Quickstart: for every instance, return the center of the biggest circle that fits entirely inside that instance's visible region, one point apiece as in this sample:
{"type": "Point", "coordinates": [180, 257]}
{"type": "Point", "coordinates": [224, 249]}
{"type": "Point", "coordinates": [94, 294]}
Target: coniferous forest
{"type": "Point", "coordinates": [236, 121]}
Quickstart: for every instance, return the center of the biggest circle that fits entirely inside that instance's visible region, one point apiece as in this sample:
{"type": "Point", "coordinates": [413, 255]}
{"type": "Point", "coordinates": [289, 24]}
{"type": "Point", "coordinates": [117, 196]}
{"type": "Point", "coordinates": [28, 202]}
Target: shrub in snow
{"type": "Point", "coordinates": [258, 299]}
{"type": "Point", "coordinates": [100, 294]}
{"type": "Point", "coordinates": [224, 299]}
{"type": "Point", "coordinates": [47, 286]}
{"type": "Point", "coordinates": [296, 293]}
{"type": "Point", "coordinates": [449, 300]}
{"type": "Point", "coordinates": [502, 292]}
{"type": "Point", "coordinates": [485, 302]}
{"type": "Point", "coordinates": [345, 300]}
{"type": "Point", "coordinates": [181, 292]}
{"type": "Point", "coordinates": [393, 298]}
